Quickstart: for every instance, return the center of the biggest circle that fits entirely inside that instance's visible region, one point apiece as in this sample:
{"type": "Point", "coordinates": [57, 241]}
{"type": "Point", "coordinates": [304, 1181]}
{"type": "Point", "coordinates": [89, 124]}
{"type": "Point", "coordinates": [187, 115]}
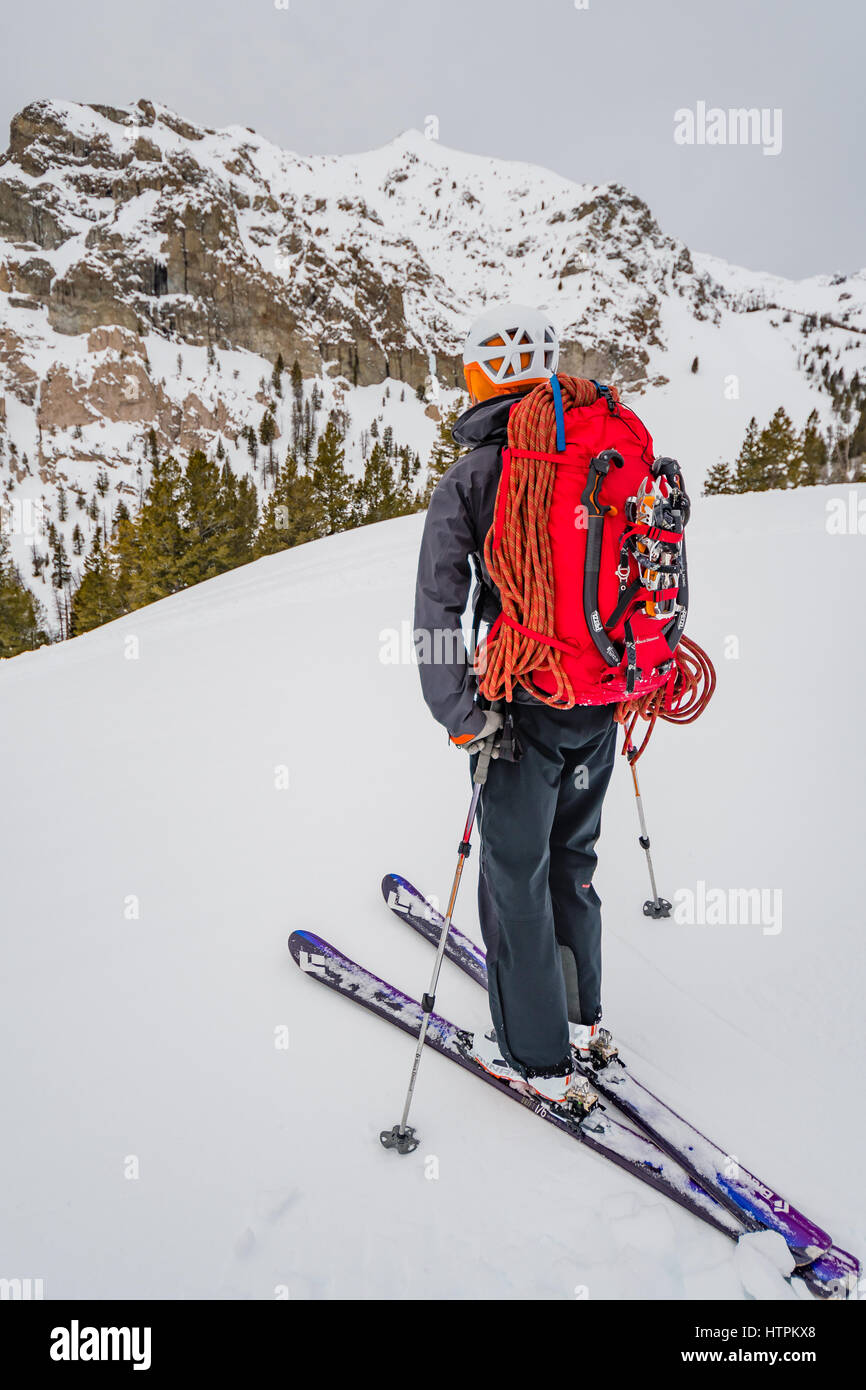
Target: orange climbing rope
{"type": "Point", "coordinates": [521, 567]}
{"type": "Point", "coordinates": [680, 701]}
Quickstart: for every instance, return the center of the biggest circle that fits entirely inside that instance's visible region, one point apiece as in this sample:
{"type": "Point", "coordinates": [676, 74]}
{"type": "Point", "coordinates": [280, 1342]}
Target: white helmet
{"type": "Point", "coordinates": [509, 345]}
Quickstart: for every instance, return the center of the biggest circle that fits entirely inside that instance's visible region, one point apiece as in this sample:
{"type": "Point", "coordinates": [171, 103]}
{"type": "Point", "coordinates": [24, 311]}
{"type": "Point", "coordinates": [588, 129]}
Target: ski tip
{"type": "Point", "coordinates": [300, 940]}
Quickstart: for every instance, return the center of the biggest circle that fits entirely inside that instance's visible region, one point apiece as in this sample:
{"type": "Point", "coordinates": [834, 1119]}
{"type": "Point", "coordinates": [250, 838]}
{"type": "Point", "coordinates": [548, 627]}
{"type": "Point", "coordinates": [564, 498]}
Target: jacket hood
{"type": "Point", "coordinates": [486, 422]}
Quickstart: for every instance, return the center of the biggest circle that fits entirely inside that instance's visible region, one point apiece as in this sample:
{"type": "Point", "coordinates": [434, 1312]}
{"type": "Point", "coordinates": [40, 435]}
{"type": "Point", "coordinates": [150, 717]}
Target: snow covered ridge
{"type": "Point", "coordinates": [151, 271]}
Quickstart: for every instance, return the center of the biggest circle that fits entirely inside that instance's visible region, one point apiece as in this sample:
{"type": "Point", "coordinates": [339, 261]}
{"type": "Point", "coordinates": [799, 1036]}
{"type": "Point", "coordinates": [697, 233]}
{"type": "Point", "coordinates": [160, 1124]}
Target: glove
{"type": "Point", "coordinates": [493, 721]}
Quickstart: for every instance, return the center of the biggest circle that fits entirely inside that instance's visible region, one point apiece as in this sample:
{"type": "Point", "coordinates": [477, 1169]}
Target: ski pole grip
{"type": "Point", "coordinates": [482, 767]}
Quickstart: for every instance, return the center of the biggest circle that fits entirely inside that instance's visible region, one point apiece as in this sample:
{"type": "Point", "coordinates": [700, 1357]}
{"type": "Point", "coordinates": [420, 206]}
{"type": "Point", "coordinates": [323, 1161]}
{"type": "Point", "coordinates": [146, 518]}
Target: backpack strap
{"type": "Point", "coordinates": [631, 671]}
{"type": "Point", "coordinates": [629, 594]}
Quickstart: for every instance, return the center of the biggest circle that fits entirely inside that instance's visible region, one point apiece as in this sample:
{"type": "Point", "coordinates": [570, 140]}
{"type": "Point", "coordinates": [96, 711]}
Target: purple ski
{"type": "Point", "coordinates": [629, 1150]}
{"type": "Point", "coordinates": [755, 1204]}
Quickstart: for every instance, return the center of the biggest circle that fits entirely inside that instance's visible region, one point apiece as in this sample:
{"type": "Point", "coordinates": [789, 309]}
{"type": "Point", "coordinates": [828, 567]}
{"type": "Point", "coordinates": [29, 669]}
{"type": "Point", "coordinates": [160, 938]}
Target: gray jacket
{"type": "Point", "coordinates": [459, 517]}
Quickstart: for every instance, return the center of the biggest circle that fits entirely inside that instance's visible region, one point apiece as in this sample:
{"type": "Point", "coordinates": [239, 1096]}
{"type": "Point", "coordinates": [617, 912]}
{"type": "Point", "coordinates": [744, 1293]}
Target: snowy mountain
{"type": "Point", "coordinates": [151, 271]}
{"type": "Point", "coordinates": [183, 789]}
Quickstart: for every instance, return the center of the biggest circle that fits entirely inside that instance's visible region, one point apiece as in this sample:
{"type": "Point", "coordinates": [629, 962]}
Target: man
{"type": "Point", "coordinates": [540, 810]}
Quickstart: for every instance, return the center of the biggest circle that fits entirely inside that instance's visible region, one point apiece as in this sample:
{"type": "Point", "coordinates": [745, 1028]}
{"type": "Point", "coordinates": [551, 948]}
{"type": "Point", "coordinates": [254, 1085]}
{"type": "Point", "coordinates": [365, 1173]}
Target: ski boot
{"type": "Point", "coordinates": [560, 1086]}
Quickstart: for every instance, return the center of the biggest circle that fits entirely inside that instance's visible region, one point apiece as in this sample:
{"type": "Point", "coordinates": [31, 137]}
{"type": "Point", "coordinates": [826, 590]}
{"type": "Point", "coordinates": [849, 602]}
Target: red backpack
{"type": "Point", "coordinates": [608, 586]}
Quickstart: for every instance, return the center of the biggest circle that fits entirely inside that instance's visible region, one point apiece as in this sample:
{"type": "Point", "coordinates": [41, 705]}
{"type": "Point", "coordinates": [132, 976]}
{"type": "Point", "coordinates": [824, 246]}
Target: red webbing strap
{"type": "Point", "coordinates": [655, 533]}
{"type": "Point", "coordinates": [528, 454]}
{"type": "Point", "coordinates": [536, 636]}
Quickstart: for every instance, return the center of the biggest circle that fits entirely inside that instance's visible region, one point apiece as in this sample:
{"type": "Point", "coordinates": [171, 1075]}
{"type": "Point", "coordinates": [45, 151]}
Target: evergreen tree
{"type": "Point", "coordinates": [748, 472]}
{"type": "Point", "coordinates": [77, 539]}
{"type": "Point", "coordinates": [267, 435]}
{"type": "Point", "coordinates": [307, 431]}
{"type": "Point", "coordinates": [410, 467]}
{"type": "Point", "coordinates": [61, 578]}
{"type": "Point", "coordinates": [21, 618]}
{"type": "Point", "coordinates": [127, 555]}
{"type": "Point", "coordinates": [376, 494]}
{"type": "Point", "coordinates": [297, 383]}
{"type": "Point", "coordinates": [719, 480]}
{"type": "Point", "coordinates": [778, 451]}
{"type": "Point", "coordinates": [291, 515]}
{"type": "Point", "coordinates": [858, 436]}
{"type": "Point", "coordinates": [151, 549]}
{"type": "Point", "coordinates": [813, 454]}
{"type": "Point", "coordinates": [445, 450]}
{"type": "Point", "coordinates": [97, 599]}
{"type": "Point", "coordinates": [277, 375]}
{"type": "Point", "coordinates": [332, 486]}
{"type": "Point", "coordinates": [62, 503]}
{"type": "Point", "coordinates": [240, 509]}
{"type": "Point", "coordinates": [203, 521]}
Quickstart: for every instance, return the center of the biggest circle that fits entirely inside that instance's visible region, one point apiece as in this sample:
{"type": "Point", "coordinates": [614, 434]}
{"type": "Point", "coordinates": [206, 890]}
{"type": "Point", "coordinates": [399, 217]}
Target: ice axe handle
{"type": "Point", "coordinates": [603, 461]}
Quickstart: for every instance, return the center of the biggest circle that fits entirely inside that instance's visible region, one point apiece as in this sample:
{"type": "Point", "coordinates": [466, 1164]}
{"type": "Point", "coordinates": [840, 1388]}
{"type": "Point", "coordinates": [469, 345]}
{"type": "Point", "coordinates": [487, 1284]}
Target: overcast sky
{"type": "Point", "coordinates": [588, 92]}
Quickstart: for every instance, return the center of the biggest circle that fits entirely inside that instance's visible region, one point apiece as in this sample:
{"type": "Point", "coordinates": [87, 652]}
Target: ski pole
{"type": "Point", "coordinates": [655, 906]}
{"type": "Point", "coordinates": [403, 1137]}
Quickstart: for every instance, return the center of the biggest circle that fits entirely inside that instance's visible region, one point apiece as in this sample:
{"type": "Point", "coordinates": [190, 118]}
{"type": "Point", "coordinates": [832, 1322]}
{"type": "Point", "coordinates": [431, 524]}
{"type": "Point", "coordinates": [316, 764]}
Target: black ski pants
{"type": "Point", "coordinates": [540, 915]}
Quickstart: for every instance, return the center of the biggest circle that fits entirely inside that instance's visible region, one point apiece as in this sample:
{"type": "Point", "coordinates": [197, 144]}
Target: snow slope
{"type": "Point", "coordinates": [154, 866]}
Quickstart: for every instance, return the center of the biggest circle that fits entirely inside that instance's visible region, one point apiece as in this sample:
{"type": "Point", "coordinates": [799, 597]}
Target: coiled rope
{"type": "Point", "coordinates": [683, 697]}
{"type": "Point", "coordinates": [521, 567]}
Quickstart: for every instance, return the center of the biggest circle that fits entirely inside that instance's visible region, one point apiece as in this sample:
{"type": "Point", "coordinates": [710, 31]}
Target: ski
{"type": "Point", "coordinates": [598, 1131]}
{"type": "Point", "coordinates": [826, 1268]}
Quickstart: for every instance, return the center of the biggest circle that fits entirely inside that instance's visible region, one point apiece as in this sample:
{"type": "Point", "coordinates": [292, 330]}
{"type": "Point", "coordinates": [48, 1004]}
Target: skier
{"type": "Point", "coordinates": [540, 810]}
